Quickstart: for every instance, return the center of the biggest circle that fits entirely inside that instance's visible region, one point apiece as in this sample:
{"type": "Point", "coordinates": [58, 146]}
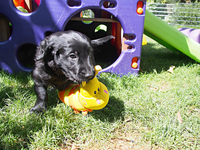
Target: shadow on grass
{"type": "Point", "coordinates": [21, 77]}
{"type": "Point", "coordinates": [112, 112]}
{"type": "Point", "coordinates": [22, 130]}
{"type": "Point", "coordinates": [4, 95]}
{"type": "Point", "coordinates": [10, 90]}
{"type": "Point", "coordinates": [14, 86]}
{"type": "Point", "coordinates": [53, 99]}
{"type": "Point", "coordinates": [156, 57]}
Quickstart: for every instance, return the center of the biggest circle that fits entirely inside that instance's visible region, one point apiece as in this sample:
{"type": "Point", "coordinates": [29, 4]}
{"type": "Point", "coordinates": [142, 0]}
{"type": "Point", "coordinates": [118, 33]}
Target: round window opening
{"type": "Point", "coordinates": [25, 55]}
{"type": "Point", "coordinates": [87, 14]}
{"type": "Point", "coordinates": [26, 6]}
{"type": "Point", "coordinates": [5, 28]}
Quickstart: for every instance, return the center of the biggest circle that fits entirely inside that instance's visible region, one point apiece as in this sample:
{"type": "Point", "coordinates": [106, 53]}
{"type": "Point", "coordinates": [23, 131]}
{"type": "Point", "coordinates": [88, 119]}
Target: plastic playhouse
{"type": "Point", "coordinates": [22, 31]}
{"type": "Point", "coordinates": [28, 29]}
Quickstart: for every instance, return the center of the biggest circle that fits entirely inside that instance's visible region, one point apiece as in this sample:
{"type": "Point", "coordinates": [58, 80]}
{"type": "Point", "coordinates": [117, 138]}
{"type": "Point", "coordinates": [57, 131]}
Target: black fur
{"type": "Point", "coordinates": [62, 58]}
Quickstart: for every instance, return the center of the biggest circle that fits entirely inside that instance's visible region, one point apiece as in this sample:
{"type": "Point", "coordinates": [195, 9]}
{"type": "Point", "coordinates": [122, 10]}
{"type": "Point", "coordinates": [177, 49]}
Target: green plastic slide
{"type": "Point", "coordinates": [170, 37]}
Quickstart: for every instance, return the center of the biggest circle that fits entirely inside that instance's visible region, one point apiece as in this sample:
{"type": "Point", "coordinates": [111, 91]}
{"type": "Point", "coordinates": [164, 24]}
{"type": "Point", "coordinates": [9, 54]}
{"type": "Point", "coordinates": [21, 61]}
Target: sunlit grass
{"type": "Point", "coordinates": [141, 113]}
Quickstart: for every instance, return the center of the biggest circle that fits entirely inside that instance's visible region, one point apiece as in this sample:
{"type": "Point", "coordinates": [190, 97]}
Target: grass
{"type": "Point", "coordinates": [156, 110]}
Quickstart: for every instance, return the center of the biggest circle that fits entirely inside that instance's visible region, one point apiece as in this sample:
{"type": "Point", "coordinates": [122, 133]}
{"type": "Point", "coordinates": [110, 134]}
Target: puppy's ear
{"type": "Point", "coordinates": [43, 49]}
{"type": "Point", "coordinates": [101, 41]}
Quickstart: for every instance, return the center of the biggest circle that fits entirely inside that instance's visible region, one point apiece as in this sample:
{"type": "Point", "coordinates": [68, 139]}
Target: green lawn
{"type": "Point", "coordinates": [156, 110]}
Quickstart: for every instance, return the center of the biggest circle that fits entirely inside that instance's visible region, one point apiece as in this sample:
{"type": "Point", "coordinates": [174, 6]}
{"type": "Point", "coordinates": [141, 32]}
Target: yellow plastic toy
{"type": "Point", "coordinates": [144, 40]}
{"type": "Point", "coordinates": [87, 96]}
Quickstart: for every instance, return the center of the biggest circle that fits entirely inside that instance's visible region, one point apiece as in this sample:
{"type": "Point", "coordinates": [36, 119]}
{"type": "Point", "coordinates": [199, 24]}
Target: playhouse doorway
{"type": "Point", "coordinates": [96, 23]}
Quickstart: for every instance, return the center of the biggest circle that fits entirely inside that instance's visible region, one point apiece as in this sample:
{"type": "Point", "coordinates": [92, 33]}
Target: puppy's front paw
{"type": "Point", "coordinates": [38, 109]}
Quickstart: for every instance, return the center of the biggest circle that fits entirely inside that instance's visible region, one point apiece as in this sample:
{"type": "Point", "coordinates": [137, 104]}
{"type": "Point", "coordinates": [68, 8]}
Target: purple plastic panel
{"type": "Point", "coordinates": [54, 15]}
{"type": "Point", "coordinates": [192, 33]}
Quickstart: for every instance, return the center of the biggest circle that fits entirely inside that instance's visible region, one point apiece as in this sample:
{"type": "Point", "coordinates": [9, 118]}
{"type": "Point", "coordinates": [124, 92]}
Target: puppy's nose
{"type": "Point", "coordinates": [89, 75]}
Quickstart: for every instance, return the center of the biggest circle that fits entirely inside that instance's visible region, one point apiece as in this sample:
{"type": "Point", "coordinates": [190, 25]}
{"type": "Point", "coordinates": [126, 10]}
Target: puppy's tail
{"type": "Point", "coordinates": [101, 41]}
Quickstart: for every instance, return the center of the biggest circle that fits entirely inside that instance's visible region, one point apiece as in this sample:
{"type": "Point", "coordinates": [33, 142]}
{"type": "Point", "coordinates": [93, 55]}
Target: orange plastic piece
{"type": "Point", "coordinates": [135, 59]}
{"type": "Point", "coordinates": [134, 64]}
{"type": "Point", "coordinates": [140, 4]}
{"type": "Point", "coordinates": [140, 10]}
{"type": "Point", "coordinates": [139, 7]}
{"type": "Point", "coordinates": [77, 111]}
{"type": "Point", "coordinates": [90, 110]}
{"type": "Point", "coordinates": [19, 3]}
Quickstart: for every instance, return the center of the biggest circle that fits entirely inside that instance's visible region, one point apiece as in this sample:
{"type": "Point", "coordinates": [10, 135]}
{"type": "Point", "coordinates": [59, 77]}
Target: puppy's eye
{"type": "Point", "coordinates": [73, 56]}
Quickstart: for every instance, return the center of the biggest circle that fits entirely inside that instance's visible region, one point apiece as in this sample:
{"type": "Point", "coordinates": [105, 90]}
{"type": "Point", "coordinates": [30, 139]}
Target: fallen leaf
{"type": "Point", "coordinates": [74, 147]}
{"type": "Point", "coordinates": [171, 69]}
{"type": "Point", "coordinates": [179, 117]}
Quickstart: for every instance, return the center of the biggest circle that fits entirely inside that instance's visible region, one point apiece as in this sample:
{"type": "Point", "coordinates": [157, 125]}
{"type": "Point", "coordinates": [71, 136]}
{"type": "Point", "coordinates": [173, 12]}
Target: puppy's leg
{"type": "Point", "coordinates": [42, 97]}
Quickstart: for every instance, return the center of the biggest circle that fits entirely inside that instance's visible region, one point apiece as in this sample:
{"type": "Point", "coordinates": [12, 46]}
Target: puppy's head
{"type": "Point", "coordinates": [69, 53]}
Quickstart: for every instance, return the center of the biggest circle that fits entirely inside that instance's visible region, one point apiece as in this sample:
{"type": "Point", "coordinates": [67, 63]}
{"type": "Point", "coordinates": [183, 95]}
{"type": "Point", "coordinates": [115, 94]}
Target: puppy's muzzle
{"type": "Point", "coordinates": [88, 75]}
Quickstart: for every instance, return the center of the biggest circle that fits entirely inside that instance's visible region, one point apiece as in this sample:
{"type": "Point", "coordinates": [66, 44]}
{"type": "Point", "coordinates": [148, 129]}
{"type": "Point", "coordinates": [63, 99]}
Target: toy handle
{"type": "Point", "coordinates": [97, 69]}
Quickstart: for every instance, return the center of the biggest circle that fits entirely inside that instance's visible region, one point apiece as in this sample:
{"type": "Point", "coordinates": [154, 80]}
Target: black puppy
{"type": "Point", "coordinates": [63, 58]}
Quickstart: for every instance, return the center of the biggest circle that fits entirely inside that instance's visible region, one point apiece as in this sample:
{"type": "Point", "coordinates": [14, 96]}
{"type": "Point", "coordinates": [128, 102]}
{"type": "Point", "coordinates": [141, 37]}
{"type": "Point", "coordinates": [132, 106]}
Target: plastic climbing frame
{"type": "Point", "coordinates": [28, 29]}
